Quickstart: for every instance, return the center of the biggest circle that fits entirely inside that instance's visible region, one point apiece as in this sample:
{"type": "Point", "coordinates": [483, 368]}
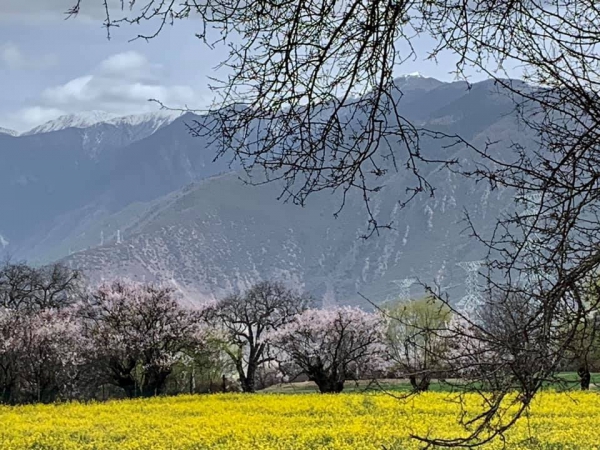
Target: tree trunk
{"type": "Point", "coordinates": [420, 386]}
{"type": "Point", "coordinates": [327, 384]}
{"type": "Point", "coordinates": [192, 380]}
{"type": "Point", "coordinates": [330, 386]}
{"type": "Point", "coordinates": [585, 378]}
{"type": "Point", "coordinates": [128, 387]}
{"type": "Point", "coordinates": [246, 379]}
{"type": "Point", "coordinates": [249, 382]}
{"type": "Point", "coordinates": [248, 385]}
{"type": "Point", "coordinates": [121, 375]}
{"type": "Point", "coordinates": [7, 397]}
{"type": "Point", "coordinates": [154, 382]}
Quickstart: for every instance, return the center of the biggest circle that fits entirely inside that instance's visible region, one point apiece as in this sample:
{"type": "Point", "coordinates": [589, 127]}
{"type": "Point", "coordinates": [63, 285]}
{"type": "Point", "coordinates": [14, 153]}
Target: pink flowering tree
{"type": "Point", "coordinates": [9, 354]}
{"type": "Point", "coordinates": [41, 356]}
{"type": "Point", "coordinates": [51, 365]}
{"type": "Point", "coordinates": [139, 333]}
{"type": "Point", "coordinates": [39, 353]}
{"type": "Point", "coordinates": [246, 319]}
{"type": "Point", "coordinates": [332, 346]}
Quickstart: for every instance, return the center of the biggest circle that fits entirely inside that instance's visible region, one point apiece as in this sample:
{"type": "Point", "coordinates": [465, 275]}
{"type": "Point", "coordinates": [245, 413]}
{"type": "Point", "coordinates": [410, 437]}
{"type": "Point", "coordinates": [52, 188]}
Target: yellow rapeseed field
{"type": "Point", "coordinates": [302, 421]}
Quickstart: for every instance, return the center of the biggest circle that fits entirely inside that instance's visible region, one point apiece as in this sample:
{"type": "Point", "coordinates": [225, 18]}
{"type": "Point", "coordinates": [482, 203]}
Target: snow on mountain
{"type": "Point", "coordinates": [122, 131]}
{"type": "Point", "coordinates": [79, 120]}
{"type": "Point", "coordinates": [413, 75]}
{"type": "Point", "coordinates": [10, 133]}
{"type": "Point", "coordinates": [87, 119]}
{"type": "Point", "coordinates": [155, 119]}
{"type": "Point", "coordinates": [416, 82]}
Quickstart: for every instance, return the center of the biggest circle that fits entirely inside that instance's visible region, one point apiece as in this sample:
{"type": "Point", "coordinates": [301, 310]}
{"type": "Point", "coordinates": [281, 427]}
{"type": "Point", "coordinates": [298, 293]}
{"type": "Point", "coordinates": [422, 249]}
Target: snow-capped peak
{"type": "Point", "coordinates": [156, 120]}
{"type": "Point", "coordinates": [416, 81]}
{"type": "Point", "coordinates": [79, 120]}
{"type": "Point", "coordinates": [413, 75]}
{"type": "Point", "coordinates": [9, 132]}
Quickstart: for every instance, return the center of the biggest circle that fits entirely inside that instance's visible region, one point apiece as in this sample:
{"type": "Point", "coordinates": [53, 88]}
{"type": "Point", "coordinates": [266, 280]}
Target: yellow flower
{"type": "Point", "coordinates": [284, 422]}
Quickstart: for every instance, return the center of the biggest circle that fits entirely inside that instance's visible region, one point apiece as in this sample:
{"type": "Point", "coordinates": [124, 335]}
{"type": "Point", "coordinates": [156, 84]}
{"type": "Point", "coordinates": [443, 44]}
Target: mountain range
{"type": "Point", "coordinates": [139, 196]}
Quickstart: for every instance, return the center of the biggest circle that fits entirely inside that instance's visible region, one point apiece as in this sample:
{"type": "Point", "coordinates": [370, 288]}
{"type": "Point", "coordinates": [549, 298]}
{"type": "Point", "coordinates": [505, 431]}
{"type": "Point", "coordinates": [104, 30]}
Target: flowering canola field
{"type": "Point", "coordinates": [282, 422]}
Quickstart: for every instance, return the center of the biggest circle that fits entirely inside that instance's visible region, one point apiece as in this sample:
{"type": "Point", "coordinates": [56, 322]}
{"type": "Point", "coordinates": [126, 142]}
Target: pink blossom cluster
{"type": "Point", "coordinates": [331, 346]}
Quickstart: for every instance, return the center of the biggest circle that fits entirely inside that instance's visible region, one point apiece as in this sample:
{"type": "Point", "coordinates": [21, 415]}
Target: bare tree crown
{"type": "Point", "coordinates": [310, 100]}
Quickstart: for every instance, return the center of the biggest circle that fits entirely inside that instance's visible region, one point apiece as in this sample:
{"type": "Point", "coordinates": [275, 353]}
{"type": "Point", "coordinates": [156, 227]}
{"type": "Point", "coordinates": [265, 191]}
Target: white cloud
{"type": "Point", "coordinates": [27, 118]}
{"type": "Point", "coordinates": [129, 65]}
{"type": "Point", "coordinates": [122, 63]}
{"type": "Point", "coordinates": [13, 58]}
{"type": "Point", "coordinates": [121, 84]}
{"type": "Point", "coordinates": [76, 90]}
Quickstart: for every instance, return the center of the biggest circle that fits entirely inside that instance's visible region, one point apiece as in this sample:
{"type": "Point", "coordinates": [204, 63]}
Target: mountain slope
{"type": "Point", "coordinates": [154, 205]}
{"type": "Point", "coordinates": [52, 184]}
{"type": "Point", "coordinates": [218, 235]}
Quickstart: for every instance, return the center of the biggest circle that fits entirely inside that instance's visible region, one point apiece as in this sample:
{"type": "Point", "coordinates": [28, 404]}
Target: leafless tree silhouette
{"type": "Point", "coordinates": [246, 319]}
{"type": "Point", "coordinates": [311, 100]}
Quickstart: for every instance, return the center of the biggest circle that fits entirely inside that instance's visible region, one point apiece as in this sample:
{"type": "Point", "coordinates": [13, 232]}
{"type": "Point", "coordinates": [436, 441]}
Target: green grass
{"type": "Point", "coordinates": [389, 385]}
{"type": "Point", "coordinates": [569, 381]}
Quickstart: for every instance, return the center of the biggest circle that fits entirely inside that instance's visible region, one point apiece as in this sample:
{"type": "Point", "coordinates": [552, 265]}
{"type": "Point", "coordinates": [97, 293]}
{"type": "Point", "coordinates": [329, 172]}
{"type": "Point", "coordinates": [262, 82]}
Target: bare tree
{"type": "Point", "coordinates": [583, 352]}
{"type": "Point", "coordinates": [309, 98]}
{"type": "Point", "coordinates": [311, 101]}
{"type": "Point", "coordinates": [247, 319]}
{"type": "Point", "coordinates": [24, 287]}
{"type": "Point", "coordinates": [543, 254]}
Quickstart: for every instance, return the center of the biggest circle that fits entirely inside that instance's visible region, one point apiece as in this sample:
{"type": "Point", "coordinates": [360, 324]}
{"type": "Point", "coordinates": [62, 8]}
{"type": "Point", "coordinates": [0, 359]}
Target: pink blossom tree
{"type": "Point", "coordinates": [9, 354]}
{"type": "Point", "coordinates": [51, 362]}
{"type": "Point", "coordinates": [140, 332]}
{"type": "Point", "coordinates": [41, 356]}
{"type": "Point", "coordinates": [331, 346]}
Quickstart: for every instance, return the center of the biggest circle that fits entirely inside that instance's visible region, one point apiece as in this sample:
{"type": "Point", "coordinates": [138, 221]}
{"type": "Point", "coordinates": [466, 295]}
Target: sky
{"type": "Point", "coordinates": [50, 66]}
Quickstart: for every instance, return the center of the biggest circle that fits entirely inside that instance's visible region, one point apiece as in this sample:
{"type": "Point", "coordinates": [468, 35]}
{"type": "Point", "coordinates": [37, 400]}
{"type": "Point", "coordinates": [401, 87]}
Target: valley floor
{"type": "Point", "coordinates": [298, 421]}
